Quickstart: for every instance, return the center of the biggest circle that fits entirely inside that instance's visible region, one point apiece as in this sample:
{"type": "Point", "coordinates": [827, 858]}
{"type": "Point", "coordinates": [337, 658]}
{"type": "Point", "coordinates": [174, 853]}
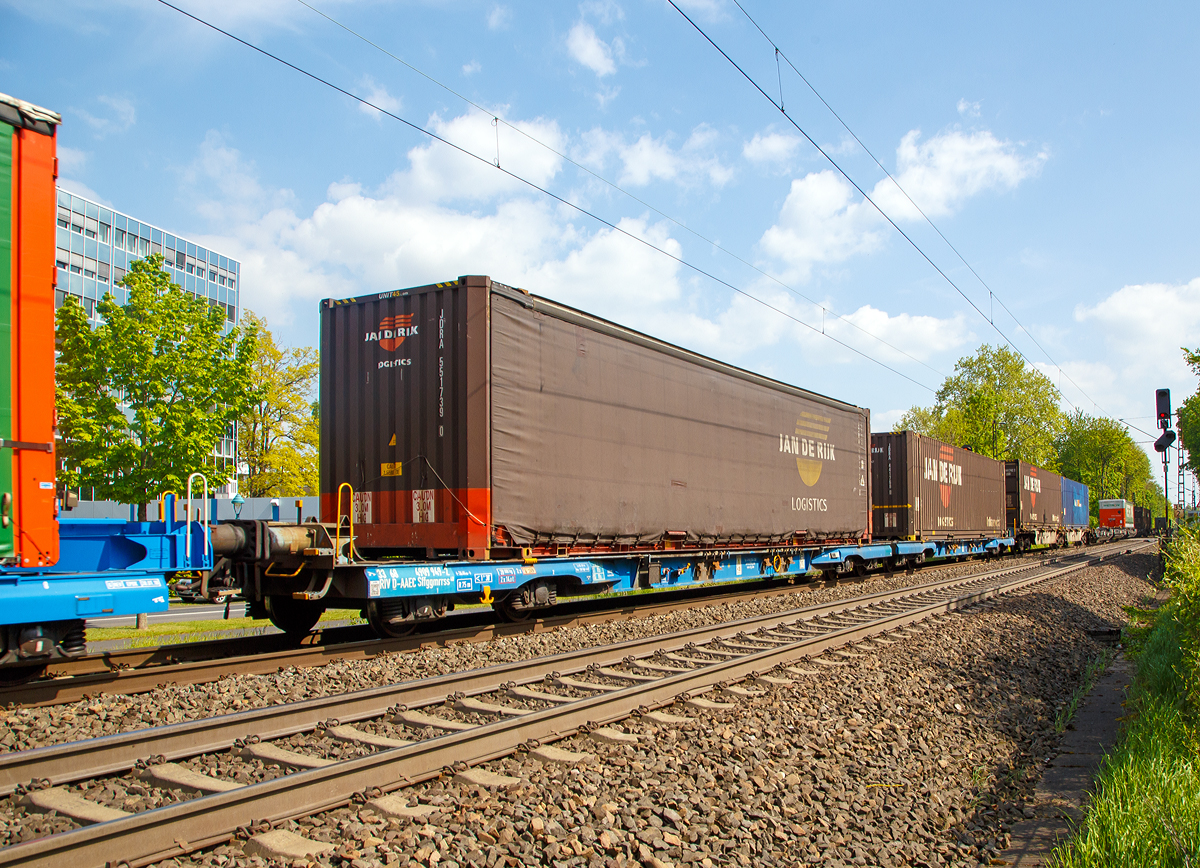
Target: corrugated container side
{"type": "Point", "coordinates": [1116, 513]}
{"type": "Point", "coordinates": [404, 416]}
{"type": "Point", "coordinates": [927, 489]}
{"type": "Point", "coordinates": [603, 436]}
{"type": "Point", "coordinates": [1034, 496]}
{"type": "Point", "coordinates": [1075, 503]}
{"type": "Point", "coordinates": [893, 480]}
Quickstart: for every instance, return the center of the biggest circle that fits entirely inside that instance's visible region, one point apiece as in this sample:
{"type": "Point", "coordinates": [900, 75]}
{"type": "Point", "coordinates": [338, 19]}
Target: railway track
{"type": "Point", "coordinates": [402, 734]}
{"type": "Point", "coordinates": [141, 670]}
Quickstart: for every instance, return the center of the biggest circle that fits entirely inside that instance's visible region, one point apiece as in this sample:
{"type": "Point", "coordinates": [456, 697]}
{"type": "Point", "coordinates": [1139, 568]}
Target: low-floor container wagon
{"type": "Point", "coordinates": [927, 491]}
{"type": "Point", "coordinates": [1036, 501]}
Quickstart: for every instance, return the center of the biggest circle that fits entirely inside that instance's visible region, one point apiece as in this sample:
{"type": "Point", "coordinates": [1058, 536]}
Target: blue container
{"type": "Point", "coordinates": [1075, 503]}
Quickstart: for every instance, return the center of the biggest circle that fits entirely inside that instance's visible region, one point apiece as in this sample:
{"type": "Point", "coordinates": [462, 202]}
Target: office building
{"type": "Point", "coordinates": [95, 246]}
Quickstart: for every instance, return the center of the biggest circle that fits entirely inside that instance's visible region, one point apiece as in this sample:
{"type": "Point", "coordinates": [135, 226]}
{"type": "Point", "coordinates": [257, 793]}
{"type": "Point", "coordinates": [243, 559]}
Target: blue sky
{"type": "Point", "coordinates": [1053, 145]}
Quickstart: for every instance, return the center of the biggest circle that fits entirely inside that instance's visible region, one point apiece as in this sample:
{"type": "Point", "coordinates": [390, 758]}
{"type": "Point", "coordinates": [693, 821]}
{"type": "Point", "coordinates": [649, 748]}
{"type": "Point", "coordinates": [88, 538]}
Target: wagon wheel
{"type": "Point", "coordinates": [506, 611]}
{"type": "Point", "coordinates": [292, 616]}
{"type": "Point", "coordinates": [388, 619]}
{"type": "Point", "coordinates": [11, 676]}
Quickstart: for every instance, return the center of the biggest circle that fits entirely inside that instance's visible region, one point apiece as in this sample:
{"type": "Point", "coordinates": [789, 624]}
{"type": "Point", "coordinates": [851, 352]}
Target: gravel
{"type": "Point", "coordinates": [917, 753]}
{"type": "Point", "coordinates": [106, 714]}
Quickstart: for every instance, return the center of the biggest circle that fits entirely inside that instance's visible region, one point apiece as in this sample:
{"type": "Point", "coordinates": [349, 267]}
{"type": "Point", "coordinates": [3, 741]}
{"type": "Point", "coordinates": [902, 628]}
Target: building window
{"type": "Point", "coordinates": [75, 227]}
{"type": "Point", "coordinates": [104, 230]}
{"type": "Point", "coordinates": [180, 259]}
{"type": "Point", "coordinates": [212, 276]}
{"type": "Point", "coordinates": [61, 258]}
{"type": "Point", "coordinates": [119, 238]}
{"type": "Point", "coordinates": [60, 298]}
{"type": "Point", "coordinates": [89, 270]}
{"type": "Point", "coordinates": [144, 244]}
{"type": "Point", "coordinates": [102, 271]}
{"type": "Point", "coordinates": [118, 274]}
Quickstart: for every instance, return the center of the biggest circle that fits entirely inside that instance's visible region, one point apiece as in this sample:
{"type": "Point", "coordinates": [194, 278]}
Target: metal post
{"type": "Point", "coordinates": [1166, 496]}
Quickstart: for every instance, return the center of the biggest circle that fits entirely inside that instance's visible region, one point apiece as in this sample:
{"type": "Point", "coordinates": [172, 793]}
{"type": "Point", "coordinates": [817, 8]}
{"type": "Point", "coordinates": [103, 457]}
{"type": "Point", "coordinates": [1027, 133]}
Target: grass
{"type": "Point", "coordinates": [188, 631]}
{"type": "Point", "coordinates": [1096, 666]}
{"type": "Point", "coordinates": [1146, 810]}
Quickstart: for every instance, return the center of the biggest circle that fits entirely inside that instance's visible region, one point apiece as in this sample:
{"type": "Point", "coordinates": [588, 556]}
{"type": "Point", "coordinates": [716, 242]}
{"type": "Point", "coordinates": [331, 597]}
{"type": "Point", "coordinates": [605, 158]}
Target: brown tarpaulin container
{"type": "Point", "coordinates": [518, 422]}
{"type": "Point", "coordinates": [926, 489]}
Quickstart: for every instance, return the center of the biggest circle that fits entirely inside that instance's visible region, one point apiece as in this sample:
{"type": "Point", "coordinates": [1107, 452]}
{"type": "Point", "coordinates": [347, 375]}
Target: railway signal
{"type": "Point", "coordinates": [1162, 401]}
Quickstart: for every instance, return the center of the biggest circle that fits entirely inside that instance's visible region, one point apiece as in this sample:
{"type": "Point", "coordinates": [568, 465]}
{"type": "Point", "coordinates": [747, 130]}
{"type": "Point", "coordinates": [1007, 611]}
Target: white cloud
{"type": "Point", "coordinates": [920, 337]}
{"type": "Point", "coordinates": [499, 17]}
{"type": "Point", "coordinates": [824, 220]}
{"type": "Point", "coordinates": [471, 68]}
{"type": "Point", "coordinates": [942, 171]}
{"type": "Point", "coordinates": [821, 221]}
{"type": "Point", "coordinates": [439, 173]}
{"type": "Point", "coordinates": [121, 115]}
{"type": "Point", "coordinates": [969, 109]}
{"type": "Point", "coordinates": [440, 216]}
{"type": "Point", "coordinates": [770, 148]}
{"type": "Point", "coordinates": [648, 159]}
{"type": "Point", "coordinates": [376, 94]}
{"type": "Point", "coordinates": [81, 189]}
{"type": "Point", "coordinates": [709, 10]}
{"type": "Point", "coordinates": [226, 187]}
{"type": "Point", "coordinates": [70, 160]}
{"type": "Point", "coordinates": [590, 50]}
{"type": "Point", "coordinates": [605, 11]}
{"type": "Point", "coordinates": [1139, 330]}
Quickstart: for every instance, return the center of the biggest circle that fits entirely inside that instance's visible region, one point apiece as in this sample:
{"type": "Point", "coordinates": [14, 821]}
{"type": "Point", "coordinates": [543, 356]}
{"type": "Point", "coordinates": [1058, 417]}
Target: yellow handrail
{"type": "Point", "coordinates": [337, 544]}
{"type": "Point", "coordinates": [162, 506]}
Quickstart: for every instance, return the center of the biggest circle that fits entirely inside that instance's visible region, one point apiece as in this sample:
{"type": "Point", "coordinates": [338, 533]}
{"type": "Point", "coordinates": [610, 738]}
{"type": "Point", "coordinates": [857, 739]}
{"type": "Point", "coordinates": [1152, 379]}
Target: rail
{"type": "Point", "coordinates": [730, 656]}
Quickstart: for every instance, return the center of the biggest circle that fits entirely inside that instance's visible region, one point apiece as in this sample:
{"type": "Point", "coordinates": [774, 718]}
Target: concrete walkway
{"type": "Point", "coordinates": [1061, 795]}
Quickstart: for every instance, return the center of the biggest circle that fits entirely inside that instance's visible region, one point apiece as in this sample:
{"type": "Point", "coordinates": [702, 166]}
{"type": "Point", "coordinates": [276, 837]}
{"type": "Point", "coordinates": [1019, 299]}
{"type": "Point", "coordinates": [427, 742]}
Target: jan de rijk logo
{"type": "Point", "coordinates": [392, 331]}
{"type": "Point", "coordinates": [810, 444]}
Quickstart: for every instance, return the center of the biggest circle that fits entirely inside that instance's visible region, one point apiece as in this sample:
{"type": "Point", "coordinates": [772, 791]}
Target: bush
{"type": "Point", "coordinates": [1146, 810]}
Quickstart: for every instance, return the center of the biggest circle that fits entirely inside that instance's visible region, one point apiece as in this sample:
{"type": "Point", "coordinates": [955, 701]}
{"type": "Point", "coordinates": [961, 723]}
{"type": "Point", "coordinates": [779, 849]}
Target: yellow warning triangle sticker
{"type": "Point", "coordinates": [392, 442]}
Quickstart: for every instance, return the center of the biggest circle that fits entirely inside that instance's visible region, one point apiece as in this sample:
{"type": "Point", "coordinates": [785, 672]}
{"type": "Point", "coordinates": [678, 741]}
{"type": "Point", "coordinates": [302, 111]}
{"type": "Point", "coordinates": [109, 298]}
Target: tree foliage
{"type": "Point", "coordinates": [1100, 453]}
{"type": "Point", "coordinates": [279, 433]}
{"type": "Point", "coordinates": [144, 396]}
{"type": "Point", "coordinates": [1187, 416]}
{"type": "Point", "coordinates": [995, 405]}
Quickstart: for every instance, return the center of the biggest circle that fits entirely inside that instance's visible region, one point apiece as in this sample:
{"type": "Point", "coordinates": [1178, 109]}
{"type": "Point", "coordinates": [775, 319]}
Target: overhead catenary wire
{"type": "Point", "coordinates": [497, 119]}
{"type": "Point", "coordinates": [749, 78]}
{"type": "Point", "coordinates": [533, 185]}
{"type": "Point", "coordinates": [992, 297]}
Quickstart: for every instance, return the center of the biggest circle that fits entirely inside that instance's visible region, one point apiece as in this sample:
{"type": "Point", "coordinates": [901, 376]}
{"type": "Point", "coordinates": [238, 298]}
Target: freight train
{"type": "Point", "coordinates": [483, 445]}
{"type": "Point", "coordinates": [480, 444]}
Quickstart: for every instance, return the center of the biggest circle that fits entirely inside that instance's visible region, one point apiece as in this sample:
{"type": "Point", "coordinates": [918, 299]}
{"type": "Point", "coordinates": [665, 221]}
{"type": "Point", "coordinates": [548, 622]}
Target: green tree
{"type": "Point", "coordinates": [1100, 453]}
{"type": "Point", "coordinates": [996, 405]}
{"type": "Point", "coordinates": [1187, 417]}
{"type": "Point", "coordinates": [144, 396]}
{"type": "Point", "coordinates": [277, 434]}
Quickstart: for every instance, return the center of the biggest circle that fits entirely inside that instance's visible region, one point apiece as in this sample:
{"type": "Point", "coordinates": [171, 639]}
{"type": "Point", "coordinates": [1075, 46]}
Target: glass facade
{"type": "Point", "coordinates": [95, 246]}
